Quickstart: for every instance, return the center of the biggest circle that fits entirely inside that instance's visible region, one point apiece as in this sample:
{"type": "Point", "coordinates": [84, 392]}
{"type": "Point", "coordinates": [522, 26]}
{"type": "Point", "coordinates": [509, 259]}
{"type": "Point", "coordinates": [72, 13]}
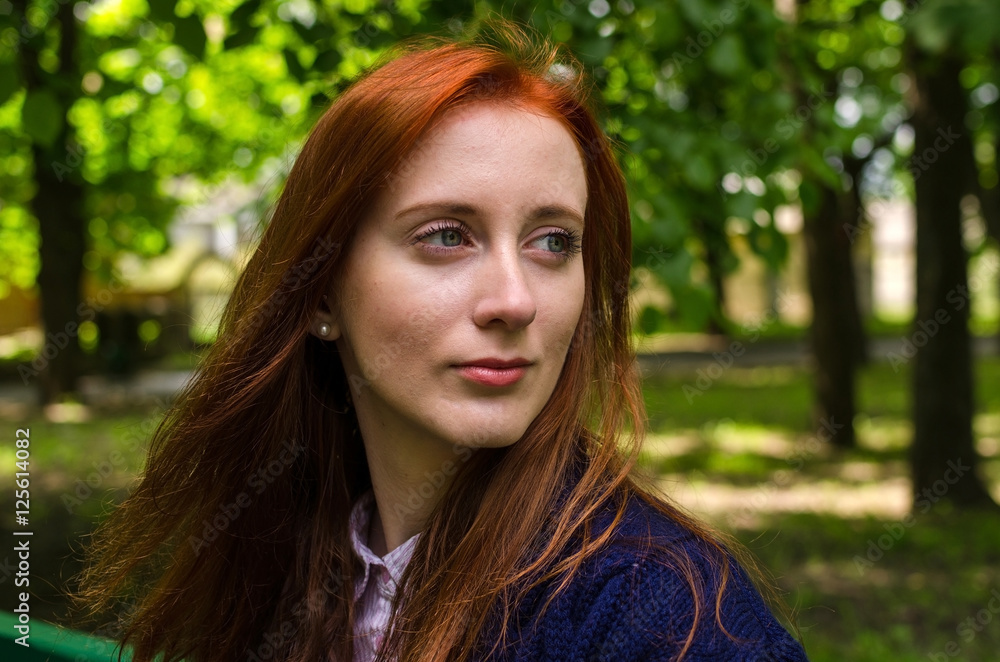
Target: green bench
{"type": "Point", "coordinates": [51, 643]}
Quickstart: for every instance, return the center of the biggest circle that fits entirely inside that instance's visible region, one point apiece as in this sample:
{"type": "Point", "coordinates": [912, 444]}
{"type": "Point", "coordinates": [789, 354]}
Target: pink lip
{"type": "Point", "coordinates": [494, 372]}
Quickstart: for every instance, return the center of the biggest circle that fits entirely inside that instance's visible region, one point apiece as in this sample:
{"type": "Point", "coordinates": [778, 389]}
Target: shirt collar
{"type": "Point", "coordinates": [394, 562]}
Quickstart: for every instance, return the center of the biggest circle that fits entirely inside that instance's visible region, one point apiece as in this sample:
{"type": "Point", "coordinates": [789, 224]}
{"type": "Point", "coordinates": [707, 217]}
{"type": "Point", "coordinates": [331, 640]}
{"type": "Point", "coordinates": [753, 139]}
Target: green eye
{"type": "Point", "coordinates": [451, 238]}
{"type": "Point", "coordinates": [443, 237]}
{"type": "Point", "coordinates": [556, 243]}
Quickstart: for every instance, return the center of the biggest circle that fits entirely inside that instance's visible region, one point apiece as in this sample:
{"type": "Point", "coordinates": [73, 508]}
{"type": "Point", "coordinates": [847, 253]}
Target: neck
{"type": "Point", "coordinates": [409, 477]}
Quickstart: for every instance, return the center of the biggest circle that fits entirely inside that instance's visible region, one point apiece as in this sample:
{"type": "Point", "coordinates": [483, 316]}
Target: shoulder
{"type": "Point", "coordinates": [634, 599]}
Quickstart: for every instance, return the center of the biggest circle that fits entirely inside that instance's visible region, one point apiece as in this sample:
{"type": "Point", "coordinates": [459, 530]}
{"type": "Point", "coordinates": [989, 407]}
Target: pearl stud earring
{"type": "Point", "coordinates": [324, 330]}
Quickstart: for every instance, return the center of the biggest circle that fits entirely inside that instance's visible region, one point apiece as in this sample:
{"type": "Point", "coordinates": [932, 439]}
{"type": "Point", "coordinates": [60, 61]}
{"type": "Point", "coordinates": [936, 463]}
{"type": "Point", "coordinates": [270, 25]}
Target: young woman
{"type": "Point", "coordinates": [415, 437]}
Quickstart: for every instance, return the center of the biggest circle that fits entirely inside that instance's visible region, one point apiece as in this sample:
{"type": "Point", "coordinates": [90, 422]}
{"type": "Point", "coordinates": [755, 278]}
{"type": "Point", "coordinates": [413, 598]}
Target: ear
{"type": "Point", "coordinates": [324, 317]}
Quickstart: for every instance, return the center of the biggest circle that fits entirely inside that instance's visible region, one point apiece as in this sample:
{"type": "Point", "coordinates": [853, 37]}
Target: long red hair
{"type": "Point", "coordinates": [235, 541]}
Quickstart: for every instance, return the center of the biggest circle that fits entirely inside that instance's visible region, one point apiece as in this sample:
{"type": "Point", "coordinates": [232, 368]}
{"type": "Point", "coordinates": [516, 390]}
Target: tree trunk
{"type": "Point", "coordinates": [714, 243]}
{"type": "Point", "coordinates": [852, 215]}
{"type": "Point", "coordinates": [943, 455]}
{"type": "Point", "coordinates": [59, 209]}
{"type": "Point", "coordinates": [58, 206]}
{"type": "Point", "coordinates": [833, 334]}
{"type": "Point", "coordinates": [836, 334]}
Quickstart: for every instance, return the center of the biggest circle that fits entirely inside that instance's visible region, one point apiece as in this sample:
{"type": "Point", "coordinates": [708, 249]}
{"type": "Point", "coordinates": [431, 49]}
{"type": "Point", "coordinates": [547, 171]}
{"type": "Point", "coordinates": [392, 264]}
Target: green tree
{"type": "Point", "coordinates": [854, 52]}
{"type": "Point", "coordinates": [46, 40]}
{"type": "Point", "coordinates": [109, 111]}
{"type": "Point", "coordinates": [944, 36]}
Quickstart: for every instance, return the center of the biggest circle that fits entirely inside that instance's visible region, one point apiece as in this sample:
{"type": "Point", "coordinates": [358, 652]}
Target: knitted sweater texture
{"type": "Point", "coordinates": [628, 604]}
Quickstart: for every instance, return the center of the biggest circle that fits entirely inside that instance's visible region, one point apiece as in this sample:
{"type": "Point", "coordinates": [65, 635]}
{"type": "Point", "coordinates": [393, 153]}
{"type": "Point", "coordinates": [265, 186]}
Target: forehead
{"type": "Point", "coordinates": [498, 152]}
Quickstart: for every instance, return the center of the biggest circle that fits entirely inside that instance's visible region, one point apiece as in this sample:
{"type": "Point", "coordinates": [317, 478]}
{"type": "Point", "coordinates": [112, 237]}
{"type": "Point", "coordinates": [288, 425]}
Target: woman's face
{"type": "Point", "coordinates": [464, 285]}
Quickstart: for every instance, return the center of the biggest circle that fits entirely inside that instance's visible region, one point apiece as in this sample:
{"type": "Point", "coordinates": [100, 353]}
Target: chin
{"type": "Point", "coordinates": [474, 426]}
{"type": "Point", "coordinates": [488, 436]}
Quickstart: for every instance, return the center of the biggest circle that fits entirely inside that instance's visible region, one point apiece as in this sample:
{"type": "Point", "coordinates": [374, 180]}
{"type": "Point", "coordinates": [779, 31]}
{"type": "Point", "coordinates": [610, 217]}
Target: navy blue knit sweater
{"type": "Point", "coordinates": [627, 605]}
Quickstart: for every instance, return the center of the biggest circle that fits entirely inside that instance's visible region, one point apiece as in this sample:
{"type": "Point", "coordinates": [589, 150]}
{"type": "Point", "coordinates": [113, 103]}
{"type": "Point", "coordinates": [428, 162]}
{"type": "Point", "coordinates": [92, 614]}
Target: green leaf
{"type": "Point", "coordinates": [695, 11]}
{"type": "Point", "coordinates": [931, 35]}
{"type": "Point", "coordinates": [9, 82]}
{"type": "Point", "coordinates": [650, 320]}
{"type": "Point", "coordinates": [328, 60]}
{"type": "Point", "coordinates": [673, 268]}
{"type": "Point", "coordinates": [741, 204]}
{"type": "Point", "coordinates": [189, 34]}
{"type": "Point", "coordinates": [239, 20]}
{"type": "Point", "coordinates": [320, 100]}
{"type": "Point", "coordinates": [295, 68]}
{"type": "Point", "coordinates": [818, 167]}
{"type": "Point", "coordinates": [726, 56]}
{"type": "Point", "coordinates": [315, 35]}
{"type": "Point", "coordinates": [694, 304]}
{"type": "Point", "coordinates": [162, 11]}
{"type": "Point", "coordinates": [699, 173]}
{"type": "Point", "coordinates": [242, 37]}
{"type": "Point", "coordinates": [41, 117]}
{"type": "Point", "coordinates": [768, 243]}
{"type": "Point", "coordinates": [595, 50]}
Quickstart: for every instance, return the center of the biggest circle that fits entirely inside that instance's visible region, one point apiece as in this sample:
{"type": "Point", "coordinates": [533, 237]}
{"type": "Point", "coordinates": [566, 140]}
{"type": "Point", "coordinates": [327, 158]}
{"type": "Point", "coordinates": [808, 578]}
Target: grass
{"type": "Point", "coordinates": [729, 454]}
{"type": "Point", "coordinates": [741, 454]}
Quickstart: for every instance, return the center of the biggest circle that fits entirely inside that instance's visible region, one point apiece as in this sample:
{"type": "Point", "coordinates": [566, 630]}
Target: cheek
{"type": "Point", "coordinates": [574, 302]}
{"type": "Point", "coordinates": [395, 328]}
{"type": "Point", "coordinates": [565, 316]}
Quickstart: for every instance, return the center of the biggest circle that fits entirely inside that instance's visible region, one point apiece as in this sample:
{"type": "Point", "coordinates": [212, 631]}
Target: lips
{"type": "Point", "coordinates": [494, 371]}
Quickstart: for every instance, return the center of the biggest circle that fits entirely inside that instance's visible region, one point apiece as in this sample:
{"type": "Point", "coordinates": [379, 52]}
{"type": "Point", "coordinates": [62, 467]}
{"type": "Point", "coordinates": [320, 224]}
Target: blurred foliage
{"type": "Point", "coordinates": [711, 99]}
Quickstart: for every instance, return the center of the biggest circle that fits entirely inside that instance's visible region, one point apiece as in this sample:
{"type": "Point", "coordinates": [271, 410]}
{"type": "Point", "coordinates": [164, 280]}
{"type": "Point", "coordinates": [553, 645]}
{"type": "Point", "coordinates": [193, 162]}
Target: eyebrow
{"type": "Point", "coordinates": [464, 209]}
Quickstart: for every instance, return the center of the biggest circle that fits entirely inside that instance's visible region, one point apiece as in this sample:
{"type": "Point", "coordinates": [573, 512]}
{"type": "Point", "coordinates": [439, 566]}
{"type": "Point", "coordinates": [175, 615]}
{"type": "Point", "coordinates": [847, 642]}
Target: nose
{"type": "Point", "coordinates": [505, 297]}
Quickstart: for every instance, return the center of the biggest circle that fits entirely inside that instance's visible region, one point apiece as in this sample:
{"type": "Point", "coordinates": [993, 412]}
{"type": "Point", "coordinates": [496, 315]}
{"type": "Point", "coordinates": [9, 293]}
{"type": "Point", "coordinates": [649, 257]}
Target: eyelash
{"type": "Point", "coordinates": [457, 226]}
{"type": "Point", "coordinates": [572, 237]}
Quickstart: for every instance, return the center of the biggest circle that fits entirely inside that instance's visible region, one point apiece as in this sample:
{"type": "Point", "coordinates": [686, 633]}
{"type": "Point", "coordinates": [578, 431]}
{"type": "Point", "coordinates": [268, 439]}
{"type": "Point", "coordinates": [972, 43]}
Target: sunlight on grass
{"type": "Point", "coordinates": [64, 454]}
{"type": "Point", "coordinates": [761, 376]}
{"type": "Point", "coordinates": [883, 433]}
{"type": "Point", "coordinates": [787, 492]}
{"type": "Point", "coordinates": [987, 429]}
{"type": "Point", "coordinates": [732, 437]}
{"type": "Point", "coordinates": [762, 442]}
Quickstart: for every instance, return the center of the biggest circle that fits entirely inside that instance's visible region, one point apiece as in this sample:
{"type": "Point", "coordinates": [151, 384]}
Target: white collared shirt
{"type": "Point", "coordinates": [375, 587]}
